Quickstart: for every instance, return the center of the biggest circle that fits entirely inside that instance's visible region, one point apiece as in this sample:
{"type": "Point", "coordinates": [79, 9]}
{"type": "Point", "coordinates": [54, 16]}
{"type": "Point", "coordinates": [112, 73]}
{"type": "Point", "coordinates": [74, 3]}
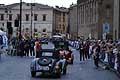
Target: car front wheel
{"type": "Point", "coordinates": [33, 73]}
{"type": "Point", "coordinates": [58, 75]}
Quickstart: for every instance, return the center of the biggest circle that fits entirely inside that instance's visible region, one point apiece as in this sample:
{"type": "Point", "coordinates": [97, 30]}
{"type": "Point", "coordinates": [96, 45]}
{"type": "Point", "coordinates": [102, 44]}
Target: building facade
{"type": "Point", "coordinates": [73, 21]}
{"type": "Point", "coordinates": [60, 20]}
{"type": "Point", "coordinates": [95, 19]}
{"type": "Point", "coordinates": [35, 18]}
{"type": "Point", "coordinates": [116, 29]}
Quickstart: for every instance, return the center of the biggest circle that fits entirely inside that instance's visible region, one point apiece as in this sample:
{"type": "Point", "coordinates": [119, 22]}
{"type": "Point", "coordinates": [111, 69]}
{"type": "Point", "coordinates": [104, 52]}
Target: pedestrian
{"type": "Point", "coordinates": [84, 50]}
{"type": "Point", "coordinates": [32, 44]}
{"type": "Point", "coordinates": [118, 59]}
{"type": "Point", "coordinates": [103, 50]}
{"type": "Point", "coordinates": [96, 52]}
{"type": "Point", "coordinates": [110, 53]}
{"type": "Point", "coordinates": [87, 44]}
{"type": "Point", "coordinates": [37, 48]}
{"type": "Point", "coordinates": [81, 52]}
{"type": "Point", "coordinates": [91, 49]}
{"type": "Point", "coordinates": [26, 47]}
{"type": "Point", "coordinates": [21, 53]}
{"type": "Point", "coordinates": [115, 52]}
{"type": "Point", "coordinates": [118, 56]}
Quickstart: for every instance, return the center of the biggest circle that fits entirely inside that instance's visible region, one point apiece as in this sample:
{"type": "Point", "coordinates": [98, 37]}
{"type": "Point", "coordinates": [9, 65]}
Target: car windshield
{"type": "Point", "coordinates": [48, 46]}
{"type": "Point", "coordinates": [61, 43]}
{"type": "Point", "coordinates": [47, 54]}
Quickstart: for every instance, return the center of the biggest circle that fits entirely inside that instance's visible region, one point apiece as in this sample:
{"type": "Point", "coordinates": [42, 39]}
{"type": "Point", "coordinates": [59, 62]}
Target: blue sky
{"type": "Point", "coordinates": [64, 3]}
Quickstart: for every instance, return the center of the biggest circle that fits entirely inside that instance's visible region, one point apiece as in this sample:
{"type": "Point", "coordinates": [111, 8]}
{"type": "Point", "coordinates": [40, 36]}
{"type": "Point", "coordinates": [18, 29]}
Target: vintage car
{"type": "Point", "coordinates": [44, 40]}
{"type": "Point", "coordinates": [49, 63]}
{"type": "Point", "coordinates": [63, 46]}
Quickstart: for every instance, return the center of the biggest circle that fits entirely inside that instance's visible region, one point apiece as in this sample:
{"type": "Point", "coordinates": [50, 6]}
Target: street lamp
{"type": "Point", "coordinates": [32, 4]}
{"type": "Point", "coordinates": [20, 36]}
{"type": "Point", "coordinates": [31, 19]}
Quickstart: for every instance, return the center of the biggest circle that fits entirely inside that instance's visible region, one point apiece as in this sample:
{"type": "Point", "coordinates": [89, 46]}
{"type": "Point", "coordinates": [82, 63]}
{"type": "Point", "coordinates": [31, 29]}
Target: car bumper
{"type": "Point", "coordinates": [55, 71]}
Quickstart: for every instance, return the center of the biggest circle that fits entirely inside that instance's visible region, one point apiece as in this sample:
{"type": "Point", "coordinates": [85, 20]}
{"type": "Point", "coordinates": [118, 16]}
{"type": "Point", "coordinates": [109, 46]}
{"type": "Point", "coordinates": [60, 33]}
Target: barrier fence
{"type": "Point", "coordinates": [111, 60]}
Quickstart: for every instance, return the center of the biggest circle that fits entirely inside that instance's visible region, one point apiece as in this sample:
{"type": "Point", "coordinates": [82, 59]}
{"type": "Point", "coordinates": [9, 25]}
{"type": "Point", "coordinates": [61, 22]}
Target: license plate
{"type": "Point", "coordinates": [43, 68]}
{"type": "Point", "coordinates": [39, 68]}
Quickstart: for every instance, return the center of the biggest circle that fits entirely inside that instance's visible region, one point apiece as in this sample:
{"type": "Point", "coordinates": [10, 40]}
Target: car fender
{"type": "Point", "coordinates": [33, 63]}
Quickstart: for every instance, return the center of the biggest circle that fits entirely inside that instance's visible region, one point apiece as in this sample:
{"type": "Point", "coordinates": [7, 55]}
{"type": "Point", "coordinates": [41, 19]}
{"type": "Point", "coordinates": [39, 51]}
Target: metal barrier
{"type": "Point", "coordinates": [112, 61]}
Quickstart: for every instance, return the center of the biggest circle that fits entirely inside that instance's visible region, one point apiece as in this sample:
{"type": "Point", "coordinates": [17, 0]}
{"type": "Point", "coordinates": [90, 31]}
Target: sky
{"type": "Point", "coordinates": [61, 3]}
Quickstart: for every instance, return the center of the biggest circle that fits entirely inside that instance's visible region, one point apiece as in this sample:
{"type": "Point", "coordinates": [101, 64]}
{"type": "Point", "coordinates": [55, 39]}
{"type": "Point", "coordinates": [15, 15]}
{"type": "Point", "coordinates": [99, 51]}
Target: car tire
{"type": "Point", "coordinates": [33, 73]}
{"type": "Point", "coordinates": [58, 75]}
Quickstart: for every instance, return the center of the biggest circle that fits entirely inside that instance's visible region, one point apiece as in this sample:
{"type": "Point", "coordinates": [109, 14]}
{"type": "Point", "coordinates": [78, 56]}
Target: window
{"type": "Point", "coordinates": [63, 18]}
{"type": "Point", "coordinates": [27, 29]}
{"type": "Point", "coordinates": [27, 17]}
{"type": "Point", "coordinates": [59, 26]}
{"type": "Point", "coordinates": [44, 17]}
{"type": "Point", "coordinates": [63, 14]}
{"type": "Point", "coordinates": [28, 4]}
{"type": "Point", "coordinates": [10, 16]}
{"type": "Point", "coordinates": [63, 27]}
{"type": "Point", "coordinates": [9, 11]}
{"type": "Point", "coordinates": [44, 30]}
{"type": "Point", "coordinates": [1, 17]}
{"type": "Point", "coordinates": [35, 30]}
{"type": "Point", "coordinates": [35, 17]}
{"type": "Point", "coordinates": [6, 10]}
{"type": "Point", "coordinates": [18, 16]}
{"type": "Point", "coordinates": [2, 24]}
{"type": "Point", "coordinates": [59, 18]}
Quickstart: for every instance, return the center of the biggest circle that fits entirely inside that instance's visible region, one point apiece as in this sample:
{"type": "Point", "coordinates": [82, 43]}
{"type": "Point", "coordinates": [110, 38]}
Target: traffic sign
{"type": "Point", "coordinates": [106, 28]}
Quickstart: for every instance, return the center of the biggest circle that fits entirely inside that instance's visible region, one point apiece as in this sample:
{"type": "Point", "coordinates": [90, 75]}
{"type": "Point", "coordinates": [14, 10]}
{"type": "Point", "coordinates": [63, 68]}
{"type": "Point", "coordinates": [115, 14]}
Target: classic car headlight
{"type": "Point", "coordinates": [70, 58]}
{"type": "Point", "coordinates": [57, 67]}
{"type": "Point", "coordinates": [50, 64]}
